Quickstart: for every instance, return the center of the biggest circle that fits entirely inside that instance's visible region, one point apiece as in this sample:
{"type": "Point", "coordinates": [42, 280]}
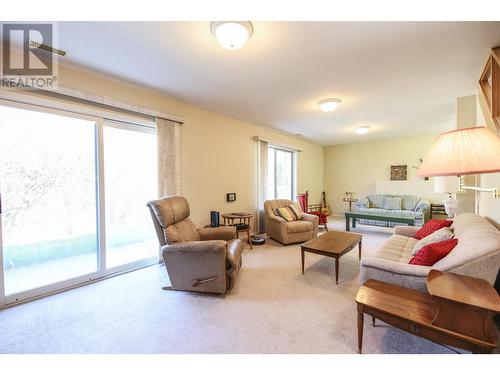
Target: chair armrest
{"type": "Point", "coordinates": [278, 219]}
{"type": "Point", "coordinates": [213, 246]}
{"type": "Point", "coordinates": [225, 233]}
{"type": "Point", "coordinates": [309, 217]}
{"type": "Point", "coordinates": [405, 230]}
{"type": "Point", "coordinates": [396, 267]}
{"type": "Point", "coordinates": [363, 203]}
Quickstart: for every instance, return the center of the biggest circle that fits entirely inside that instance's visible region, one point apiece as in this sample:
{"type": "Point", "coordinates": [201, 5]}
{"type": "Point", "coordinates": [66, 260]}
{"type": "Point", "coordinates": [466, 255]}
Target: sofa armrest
{"type": "Point", "coordinates": [401, 274]}
{"type": "Point", "coordinates": [363, 203]}
{"type": "Point", "coordinates": [396, 267]}
{"type": "Point", "coordinates": [422, 205]}
{"type": "Point", "coordinates": [406, 230]}
{"type": "Point", "coordinates": [225, 233]}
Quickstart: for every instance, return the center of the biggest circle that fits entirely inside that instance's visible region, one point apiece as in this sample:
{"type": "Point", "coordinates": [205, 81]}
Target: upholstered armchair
{"type": "Point", "coordinates": [288, 232]}
{"type": "Point", "coordinates": [201, 260]}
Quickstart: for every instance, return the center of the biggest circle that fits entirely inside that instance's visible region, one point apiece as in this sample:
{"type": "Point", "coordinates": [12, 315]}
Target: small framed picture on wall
{"type": "Point", "coordinates": [231, 197]}
{"type": "Point", "coordinates": [398, 173]}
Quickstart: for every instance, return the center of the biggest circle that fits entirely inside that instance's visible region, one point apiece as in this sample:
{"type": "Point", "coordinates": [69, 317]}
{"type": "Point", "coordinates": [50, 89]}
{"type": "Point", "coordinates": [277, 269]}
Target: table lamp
{"type": "Point", "coordinates": [447, 185]}
{"type": "Point", "coordinates": [463, 152]}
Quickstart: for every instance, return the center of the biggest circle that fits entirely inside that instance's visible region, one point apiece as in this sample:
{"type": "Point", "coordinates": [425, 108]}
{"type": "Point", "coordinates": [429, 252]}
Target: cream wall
{"type": "Point", "coordinates": [364, 168]}
{"type": "Point", "coordinates": [218, 153]}
{"type": "Point", "coordinates": [465, 113]}
{"type": "Point", "coordinates": [489, 206]}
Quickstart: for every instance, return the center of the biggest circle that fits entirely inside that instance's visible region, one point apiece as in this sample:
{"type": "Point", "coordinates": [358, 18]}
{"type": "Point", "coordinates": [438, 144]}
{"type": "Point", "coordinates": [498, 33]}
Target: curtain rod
{"type": "Point", "coordinates": [110, 102]}
{"type": "Point", "coordinates": [278, 144]}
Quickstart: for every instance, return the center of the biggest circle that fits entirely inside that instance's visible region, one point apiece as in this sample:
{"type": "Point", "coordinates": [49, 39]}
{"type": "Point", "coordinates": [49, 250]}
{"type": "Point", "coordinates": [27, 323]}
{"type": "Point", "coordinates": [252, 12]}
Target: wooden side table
{"type": "Point", "coordinates": [437, 209]}
{"type": "Point", "coordinates": [458, 311]}
{"type": "Point", "coordinates": [241, 221]}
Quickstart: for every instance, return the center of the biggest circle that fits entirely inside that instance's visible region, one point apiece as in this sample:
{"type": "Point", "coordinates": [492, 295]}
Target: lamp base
{"type": "Point", "coordinates": [450, 206]}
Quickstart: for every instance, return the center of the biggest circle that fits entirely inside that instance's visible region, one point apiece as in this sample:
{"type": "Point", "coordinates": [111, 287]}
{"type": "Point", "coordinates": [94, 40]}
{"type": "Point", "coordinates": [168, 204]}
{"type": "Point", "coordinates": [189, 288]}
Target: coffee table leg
{"type": "Point", "coordinates": [361, 319]}
{"type": "Point", "coordinates": [354, 222]}
{"type": "Point", "coordinates": [359, 250]}
{"type": "Point", "coordinates": [302, 255]}
{"type": "Point", "coordinates": [336, 270]}
{"type": "Point", "coordinates": [347, 229]}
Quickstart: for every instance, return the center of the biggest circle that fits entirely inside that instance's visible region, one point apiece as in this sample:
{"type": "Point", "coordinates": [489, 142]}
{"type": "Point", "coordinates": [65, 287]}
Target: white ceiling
{"type": "Point", "coordinates": [400, 78]}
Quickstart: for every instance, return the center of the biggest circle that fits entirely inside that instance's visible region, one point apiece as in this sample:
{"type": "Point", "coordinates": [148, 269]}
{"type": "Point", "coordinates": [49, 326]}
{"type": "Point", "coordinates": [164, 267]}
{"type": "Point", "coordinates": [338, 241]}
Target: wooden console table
{"type": "Point", "coordinates": [458, 310]}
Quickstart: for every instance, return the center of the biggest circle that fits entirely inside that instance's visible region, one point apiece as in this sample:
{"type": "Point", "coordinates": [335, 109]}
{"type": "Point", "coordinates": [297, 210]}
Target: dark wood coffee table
{"type": "Point", "coordinates": [332, 244]}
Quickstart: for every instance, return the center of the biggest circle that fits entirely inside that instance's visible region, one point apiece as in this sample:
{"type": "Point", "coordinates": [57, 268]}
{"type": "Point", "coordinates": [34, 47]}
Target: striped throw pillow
{"type": "Point", "coordinates": [289, 213]}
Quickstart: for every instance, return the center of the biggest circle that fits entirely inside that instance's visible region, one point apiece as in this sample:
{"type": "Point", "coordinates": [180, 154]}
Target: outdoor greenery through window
{"type": "Point", "coordinates": [50, 188]}
{"type": "Point", "coordinates": [280, 170]}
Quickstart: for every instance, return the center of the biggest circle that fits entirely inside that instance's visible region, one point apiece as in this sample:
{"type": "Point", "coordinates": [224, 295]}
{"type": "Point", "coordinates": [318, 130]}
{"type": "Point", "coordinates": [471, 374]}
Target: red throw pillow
{"type": "Point", "coordinates": [431, 226]}
{"type": "Point", "coordinates": [433, 252]}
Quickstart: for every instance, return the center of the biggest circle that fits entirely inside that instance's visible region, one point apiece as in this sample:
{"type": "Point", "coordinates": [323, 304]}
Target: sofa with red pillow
{"type": "Point", "coordinates": [474, 251]}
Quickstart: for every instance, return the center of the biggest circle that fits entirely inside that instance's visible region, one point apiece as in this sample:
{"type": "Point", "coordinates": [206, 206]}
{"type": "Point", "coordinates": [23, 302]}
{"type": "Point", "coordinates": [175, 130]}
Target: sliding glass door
{"type": "Point", "coordinates": [73, 199]}
{"type": "Point", "coordinates": [130, 176]}
{"type": "Point", "coordinates": [47, 182]}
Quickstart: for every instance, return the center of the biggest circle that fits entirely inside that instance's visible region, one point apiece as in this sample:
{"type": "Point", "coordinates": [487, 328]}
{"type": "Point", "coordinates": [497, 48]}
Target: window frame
{"type": "Point", "coordinates": [101, 118]}
{"type": "Point", "coordinates": [293, 169]}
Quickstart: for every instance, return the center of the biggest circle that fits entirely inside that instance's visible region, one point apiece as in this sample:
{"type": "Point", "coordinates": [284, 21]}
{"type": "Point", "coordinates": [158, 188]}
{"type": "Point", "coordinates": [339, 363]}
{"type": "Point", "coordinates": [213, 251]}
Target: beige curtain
{"type": "Point", "coordinates": [168, 134]}
{"type": "Point", "coordinates": [262, 147]}
{"type": "Point", "coordinates": [169, 159]}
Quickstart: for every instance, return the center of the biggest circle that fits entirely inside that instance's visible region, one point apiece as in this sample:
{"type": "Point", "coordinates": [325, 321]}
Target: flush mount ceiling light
{"type": "Point", "coordinates": [330, 104]}
{"type": "Point", "coordinates": [232, 34]}
{"type": "Point", "coordinates": [362, 129]}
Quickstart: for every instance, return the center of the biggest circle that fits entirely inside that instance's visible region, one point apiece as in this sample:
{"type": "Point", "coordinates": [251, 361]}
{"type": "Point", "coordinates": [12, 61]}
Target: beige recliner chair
{"type": "Point", "coordinates": [201, 260]}
{"type": "Point", "coordinates": [288, 232]}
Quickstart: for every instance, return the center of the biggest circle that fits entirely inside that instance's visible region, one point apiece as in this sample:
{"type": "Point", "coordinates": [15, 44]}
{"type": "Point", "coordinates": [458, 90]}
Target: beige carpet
{"type": "Point", "coordinates": [273, 309]}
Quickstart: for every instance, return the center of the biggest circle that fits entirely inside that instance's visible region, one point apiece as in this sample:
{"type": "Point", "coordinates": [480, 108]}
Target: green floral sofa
{"type": "Point", "coordinates": [409, 206]}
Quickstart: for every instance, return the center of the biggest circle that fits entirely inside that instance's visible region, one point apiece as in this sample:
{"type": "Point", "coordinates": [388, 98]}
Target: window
{"type": "Point", "coordinates": [73, 191]}
{"type": "Point", "coordinates": [281, 174]}
{"type": "Point", "coordinates": [47, 182]}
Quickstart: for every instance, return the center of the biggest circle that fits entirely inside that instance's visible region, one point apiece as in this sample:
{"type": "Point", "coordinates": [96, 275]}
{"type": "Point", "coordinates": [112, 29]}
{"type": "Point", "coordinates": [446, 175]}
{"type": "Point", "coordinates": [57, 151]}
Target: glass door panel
{"type": "Point", "coordinates": [130, 182]}
{"type": "Point", "coordinates": [48, 192]}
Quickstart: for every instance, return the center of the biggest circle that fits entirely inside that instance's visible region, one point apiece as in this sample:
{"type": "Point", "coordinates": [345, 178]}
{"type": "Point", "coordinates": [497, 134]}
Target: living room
{"type": "Point", "coordinates": [250, 187]}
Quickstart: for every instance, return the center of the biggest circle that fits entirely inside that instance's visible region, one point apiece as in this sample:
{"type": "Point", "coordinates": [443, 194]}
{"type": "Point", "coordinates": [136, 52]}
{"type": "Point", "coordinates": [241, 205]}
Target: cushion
{"type": "Point", "coordinates": [392, 203]}
{"type": "Point", "coordinates": [397, 249]}
{"type": "Point", "coordinates": [296, 211]}
{"type": "Point", "coordinates": [431, 226]}
{"type": "Point", "coordinates": [433, 252]}
{"type": "Point", "coordinates": [289, 213]}
{"type": "Point", "coordinates": [183, 231]}
{"type": "Point", "coordinates": [440, 235]}
{"type": "Point", "coordinates": [376, 200]}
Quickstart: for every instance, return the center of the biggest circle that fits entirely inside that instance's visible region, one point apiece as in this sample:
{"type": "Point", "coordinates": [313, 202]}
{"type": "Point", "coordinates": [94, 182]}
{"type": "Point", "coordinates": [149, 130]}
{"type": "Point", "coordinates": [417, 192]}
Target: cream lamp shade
{"type": "Point", "coordinates": [445, 184]}
{"type": "Point", "coordinates": [462, 152]}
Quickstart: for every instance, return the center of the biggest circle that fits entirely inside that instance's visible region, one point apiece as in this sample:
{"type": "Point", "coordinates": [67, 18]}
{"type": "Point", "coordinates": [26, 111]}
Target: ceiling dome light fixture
{"type": "Point", "coordinates": [330, 104]}
{"type": "Point", "coordinates": [362, 129]}
{"type": "Point", "coordinates": [232, 34]}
